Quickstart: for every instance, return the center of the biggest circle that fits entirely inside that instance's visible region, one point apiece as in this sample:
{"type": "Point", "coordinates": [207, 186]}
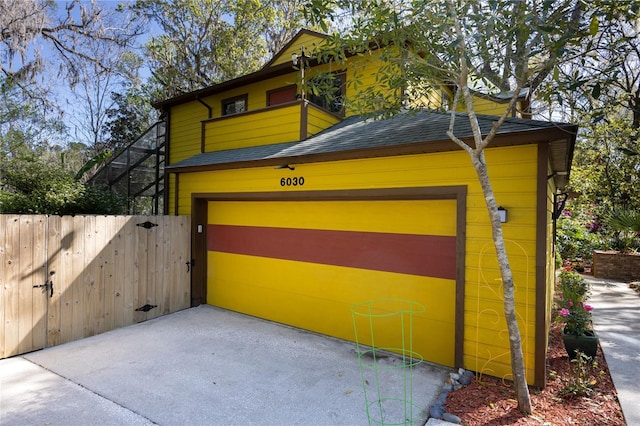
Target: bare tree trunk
{"type": "Point", "coordinates": [515, 341]}
{"type": "Point", "coordinates": [480, 166]}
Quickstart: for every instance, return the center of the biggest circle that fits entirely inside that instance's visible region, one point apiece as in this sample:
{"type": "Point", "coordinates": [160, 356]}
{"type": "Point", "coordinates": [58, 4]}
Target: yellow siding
{"type": "Point", "coordinates": [362, 75]}
{"type": "Point", "coordinates": [185, 131]}
{"type": "Point", "coordinates": [486, 106]}
{"type": "Point", "coordinates": [171, 193]}
{"type": "Point", "coordinates": [512, 170]}
{"type": "Point", "coordinates": [310, 43]}
{"type": "Point", "coordinates": [304, 215]}
{"type": "Point", "coordinates": [319, 120]}
{"type": "Point", "coordinates": [271, 126]}
{"type": "Point", "coordinates": [256, 93]}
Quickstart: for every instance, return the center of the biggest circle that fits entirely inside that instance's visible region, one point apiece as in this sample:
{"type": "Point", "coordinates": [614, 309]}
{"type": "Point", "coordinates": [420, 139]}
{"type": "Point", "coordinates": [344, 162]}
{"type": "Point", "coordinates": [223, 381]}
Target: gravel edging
{"type": "Point", "coordinates": [454, 382]}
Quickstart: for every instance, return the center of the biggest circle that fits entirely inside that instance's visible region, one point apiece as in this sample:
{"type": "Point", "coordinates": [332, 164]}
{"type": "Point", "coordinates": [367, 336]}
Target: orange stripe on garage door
{"type": "Point", "coordinates": [424, 255]}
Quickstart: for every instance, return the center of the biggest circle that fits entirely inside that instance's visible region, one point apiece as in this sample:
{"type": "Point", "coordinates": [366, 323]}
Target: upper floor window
{"type": "Point", "coordinates": [327, 91]}
{"type": "Point", "coordinates": [281, 95]}
{"type": "Point", "coordinates": [234, 105]}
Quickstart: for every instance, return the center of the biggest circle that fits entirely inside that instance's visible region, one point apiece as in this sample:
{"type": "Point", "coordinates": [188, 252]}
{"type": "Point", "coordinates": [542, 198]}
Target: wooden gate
{"type": "Point", "coordinates": [63, 278]}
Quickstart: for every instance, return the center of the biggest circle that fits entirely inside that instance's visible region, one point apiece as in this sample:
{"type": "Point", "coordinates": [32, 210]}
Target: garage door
{"type": "Point", "coordinates": [306, 263]}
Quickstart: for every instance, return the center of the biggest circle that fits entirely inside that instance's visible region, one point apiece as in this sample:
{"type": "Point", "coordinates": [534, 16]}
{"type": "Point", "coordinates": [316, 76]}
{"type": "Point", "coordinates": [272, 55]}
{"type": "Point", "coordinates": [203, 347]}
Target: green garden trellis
{"type": "Point", "coordinates": [384, 342]}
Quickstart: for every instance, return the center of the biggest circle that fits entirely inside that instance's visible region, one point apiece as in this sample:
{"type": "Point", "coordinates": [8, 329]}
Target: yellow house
{"type": "Point", "coordinates": [302, 210]}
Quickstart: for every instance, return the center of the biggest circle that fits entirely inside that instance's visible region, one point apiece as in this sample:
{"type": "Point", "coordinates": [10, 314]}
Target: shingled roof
{"type": "Point", "coordinates": [405, 133]}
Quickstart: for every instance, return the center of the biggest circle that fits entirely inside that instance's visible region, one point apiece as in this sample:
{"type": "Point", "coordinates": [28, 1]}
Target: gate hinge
{"type": "Point", "coordinates": [147, 225]}
{"type": "Point", "coordinates": [146, 308]}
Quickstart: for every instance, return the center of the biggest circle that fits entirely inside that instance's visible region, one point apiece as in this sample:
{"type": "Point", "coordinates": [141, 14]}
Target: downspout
{"type": "Point", "coordinates": [202, 129]}
{"type": "Point", "coordinates": [558, 207]}
{"type": "Point", "coordinates": [207, 106]}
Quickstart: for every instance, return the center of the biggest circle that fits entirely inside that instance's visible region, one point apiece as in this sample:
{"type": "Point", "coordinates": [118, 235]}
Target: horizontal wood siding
{"type": "Point", "coordinates": [185, 130]}
{"type": "Point", "coordinates": [362, 75]}
{"type": "Point", "coordinates": [513, 174]}
{"type": "Point", "coordinates": [256, 92]}
{"type": "Point", "coordinates": [102, 267]}
{"type": "Point", "coordinates": [319, 120]}
{"type": "Point", "coordinates": [487, 106]}
{"type": "Point", "coordinates": [171, 194]}
{"type": "Point", "coordinates": [310, 43]}
{"type": "Point", "coordinates": [269, 126]}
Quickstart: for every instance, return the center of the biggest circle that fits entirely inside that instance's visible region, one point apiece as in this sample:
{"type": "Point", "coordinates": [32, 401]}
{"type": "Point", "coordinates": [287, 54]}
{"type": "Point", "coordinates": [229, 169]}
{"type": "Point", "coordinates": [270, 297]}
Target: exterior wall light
{"type": "Point", "coordinates": [285, 166]}
{"type": "Point", "coordinates": [504, 214]}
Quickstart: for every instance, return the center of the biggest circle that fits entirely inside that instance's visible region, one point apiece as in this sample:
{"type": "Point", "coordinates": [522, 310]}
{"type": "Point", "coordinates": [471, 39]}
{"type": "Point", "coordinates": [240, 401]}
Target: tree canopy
{"type": "Point", "coordinates": [74, 76]}
{"type": "Point", "coordinates": [204, 42]}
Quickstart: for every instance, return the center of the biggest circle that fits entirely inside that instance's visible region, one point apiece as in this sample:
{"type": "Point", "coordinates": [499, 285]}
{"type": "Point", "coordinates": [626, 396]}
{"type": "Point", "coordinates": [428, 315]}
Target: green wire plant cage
{"type": "Point", "coordinates": [384, 342]}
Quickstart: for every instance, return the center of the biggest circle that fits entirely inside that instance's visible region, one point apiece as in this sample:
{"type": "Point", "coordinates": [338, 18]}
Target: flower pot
{"type": "Point", "coordinates": [587, 343]}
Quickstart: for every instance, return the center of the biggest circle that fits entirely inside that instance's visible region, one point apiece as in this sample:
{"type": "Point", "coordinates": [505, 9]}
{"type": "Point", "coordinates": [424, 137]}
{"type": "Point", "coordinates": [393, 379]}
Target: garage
{"type": "Point", "coordinates": [305, 263]}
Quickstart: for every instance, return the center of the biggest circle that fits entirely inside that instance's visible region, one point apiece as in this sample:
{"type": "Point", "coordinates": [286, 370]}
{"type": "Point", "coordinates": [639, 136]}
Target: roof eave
{"type": "Point", "coordinates": [560, 164]}
{"type": "Point", "coordinates": [262, 74]}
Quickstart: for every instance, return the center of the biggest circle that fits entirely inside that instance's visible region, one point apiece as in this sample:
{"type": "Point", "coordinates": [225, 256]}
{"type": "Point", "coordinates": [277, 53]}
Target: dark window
{"type": "Point", "coordinates": [234, 105]}
{"type": "Point", "coordinates": [327, 91]}
{"type": "Point", "coordinates": [281, 95]}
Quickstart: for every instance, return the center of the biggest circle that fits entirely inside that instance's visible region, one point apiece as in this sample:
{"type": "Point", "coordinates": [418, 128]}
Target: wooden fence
{"type": "Point", "coordinates": [63, 278]}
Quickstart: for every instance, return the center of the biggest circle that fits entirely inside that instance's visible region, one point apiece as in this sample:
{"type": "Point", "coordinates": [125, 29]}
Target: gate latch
{"type": "Point", "coordinates": [48, 285]}
{"type": "Point", "coordinates": [147, 225]}
{"type": "Point", "coordinates": [146, 308]}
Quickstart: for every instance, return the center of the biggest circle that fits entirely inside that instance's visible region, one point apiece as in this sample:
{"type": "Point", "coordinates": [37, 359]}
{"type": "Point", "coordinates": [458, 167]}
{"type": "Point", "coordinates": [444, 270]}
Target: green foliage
{"type": "Point", "coordinates": [574, 238]}
{"type": "Point", "coordinates": [96, 200]}
{"type": "Point", "coordinates": [507, 45]}
{"type": "Point", "coordinates": [604, 180]}
{"type": "Point", "coordinates": [128, 118]}
{"type": "Point", "coordinates": [582, 378]}
{"type": "Point", "coordinates": [603, 174]}
{"type": "Point", "coordinates": [496, 47]}
{"type": "Point", "coordinates": [33, 185]}
{"type": "Point", "coordinates": [573, 312]}
{"type": "Point", "coordinates": [573, 287]}
{"type": "Point", "coordinates": [93, 162]}
{"type": "Point", "coordinates": [204, 42]}
{"type": "Point", "coordinates": [627, 225]}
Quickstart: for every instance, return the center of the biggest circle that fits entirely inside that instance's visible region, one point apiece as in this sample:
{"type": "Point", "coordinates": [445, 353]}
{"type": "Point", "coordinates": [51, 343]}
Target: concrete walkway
{"type": "Point", "coordinates": [205, 366]}
{"type": "Point", "coordinates": [616, 319]}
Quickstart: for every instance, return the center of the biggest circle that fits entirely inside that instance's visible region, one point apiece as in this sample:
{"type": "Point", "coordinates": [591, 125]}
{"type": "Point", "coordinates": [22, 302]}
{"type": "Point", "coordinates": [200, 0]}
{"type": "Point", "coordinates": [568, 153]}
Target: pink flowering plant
{"type": "Point", "coordinates": [576, 318]}
{"type": "Point", "coordinates": [573, 311]}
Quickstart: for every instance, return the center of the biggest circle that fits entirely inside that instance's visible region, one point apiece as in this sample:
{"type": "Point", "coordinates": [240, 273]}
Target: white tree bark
{"type": "Point", "coordinates": [476, 153]}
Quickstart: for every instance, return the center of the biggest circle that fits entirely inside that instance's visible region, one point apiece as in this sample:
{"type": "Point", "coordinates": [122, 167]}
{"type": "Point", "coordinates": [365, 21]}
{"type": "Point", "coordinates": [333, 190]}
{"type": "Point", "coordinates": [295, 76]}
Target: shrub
{"type": "Point", "coordinates": [573, 287]}
{"type": "Point", "coordinates": [626, 223]}
{"type": "Point", "coordinates": [582, 380]}
{"type": "Point", "coordinates": [574, 240]}
{"type": "Point", "coordinates": [572, 311]}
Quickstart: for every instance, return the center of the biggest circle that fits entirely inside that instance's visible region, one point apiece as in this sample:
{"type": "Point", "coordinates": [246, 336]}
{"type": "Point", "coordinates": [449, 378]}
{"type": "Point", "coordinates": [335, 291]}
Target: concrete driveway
{"type": "Point", "coordinates": [209, 366]}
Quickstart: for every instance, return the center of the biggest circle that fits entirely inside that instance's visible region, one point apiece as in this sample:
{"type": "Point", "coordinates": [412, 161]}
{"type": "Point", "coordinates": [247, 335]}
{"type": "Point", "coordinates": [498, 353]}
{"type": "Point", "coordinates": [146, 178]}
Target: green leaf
{"type": "Point", "coordinates": [627, 151]}
{"type": "Point", "coordinates": [594, 25]}
{"type": "Point", "coordinates": [595, 92]}
{"type": "Point", "coordinates": [96, 160]}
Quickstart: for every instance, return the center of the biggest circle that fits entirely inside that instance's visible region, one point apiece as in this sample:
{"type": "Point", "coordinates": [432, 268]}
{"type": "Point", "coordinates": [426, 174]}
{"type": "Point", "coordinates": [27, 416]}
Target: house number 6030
{"type": "Point", "coordinates": [292, 181]}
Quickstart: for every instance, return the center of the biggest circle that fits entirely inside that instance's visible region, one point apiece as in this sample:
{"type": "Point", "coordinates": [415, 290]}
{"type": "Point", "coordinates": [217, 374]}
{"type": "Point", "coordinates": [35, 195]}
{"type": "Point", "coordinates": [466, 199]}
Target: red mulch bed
{"type": "Point", "coordinates": [492, 402]}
